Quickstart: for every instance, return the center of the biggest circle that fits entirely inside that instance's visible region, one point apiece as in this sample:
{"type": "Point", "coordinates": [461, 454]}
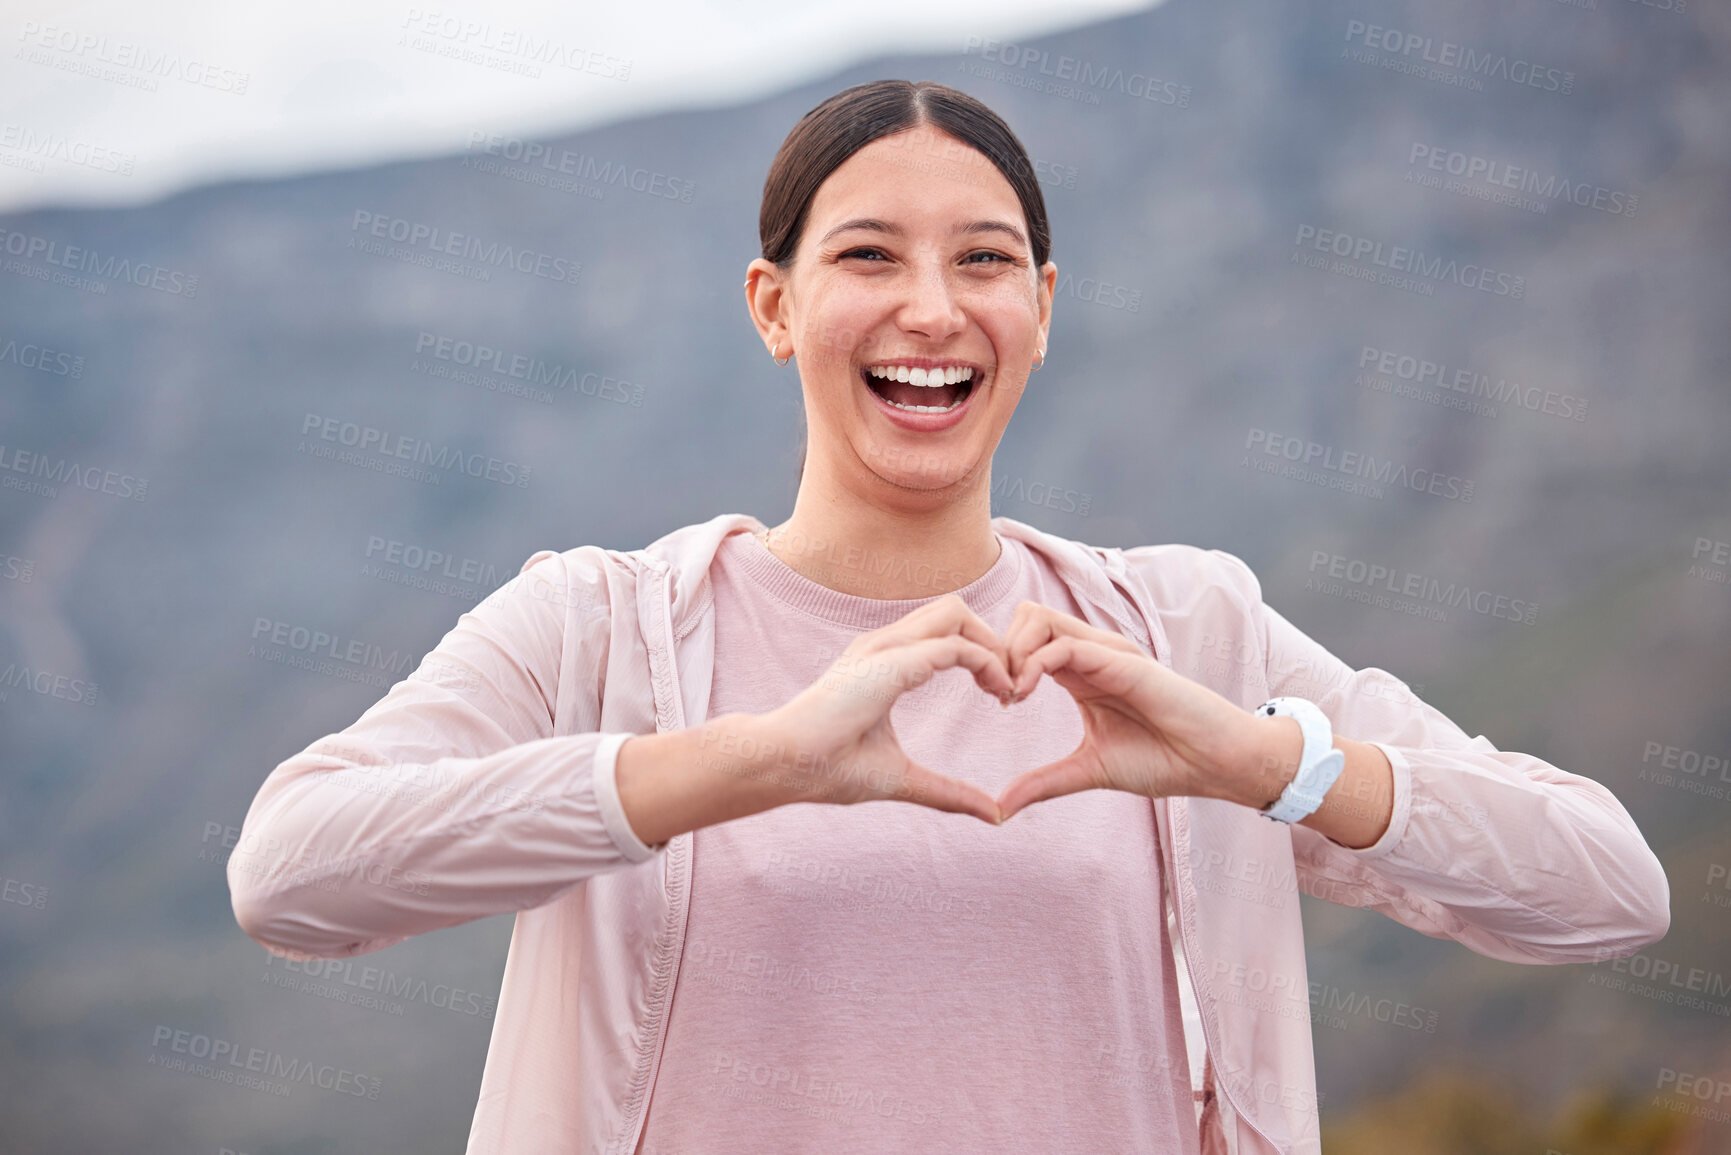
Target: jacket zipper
{"type": "Point", "coordinates": [669, 715]}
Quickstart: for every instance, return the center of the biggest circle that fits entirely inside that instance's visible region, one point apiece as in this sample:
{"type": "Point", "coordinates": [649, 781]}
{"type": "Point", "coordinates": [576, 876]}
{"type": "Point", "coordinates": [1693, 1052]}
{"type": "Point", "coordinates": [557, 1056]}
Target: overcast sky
{"type": "Point", "coordinates": [106, 102]}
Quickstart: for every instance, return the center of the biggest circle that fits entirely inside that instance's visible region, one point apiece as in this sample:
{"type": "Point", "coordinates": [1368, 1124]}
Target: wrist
{"type": "Point", "coordinates": [752, 754]}
{"type": "Point", "coordinates": [673, 782]}
{"type": "Point", "coordinates": [1274, 747]}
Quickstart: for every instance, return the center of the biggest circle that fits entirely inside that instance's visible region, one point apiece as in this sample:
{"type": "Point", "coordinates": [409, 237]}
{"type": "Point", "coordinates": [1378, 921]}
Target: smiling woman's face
{"type": "Point", "coordinates": [914, 263]}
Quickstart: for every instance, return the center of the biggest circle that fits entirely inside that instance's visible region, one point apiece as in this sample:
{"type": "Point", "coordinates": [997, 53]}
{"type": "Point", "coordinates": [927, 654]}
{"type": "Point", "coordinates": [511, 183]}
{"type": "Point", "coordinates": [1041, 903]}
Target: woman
{"type": "Point", "coordinates": [611, 743]}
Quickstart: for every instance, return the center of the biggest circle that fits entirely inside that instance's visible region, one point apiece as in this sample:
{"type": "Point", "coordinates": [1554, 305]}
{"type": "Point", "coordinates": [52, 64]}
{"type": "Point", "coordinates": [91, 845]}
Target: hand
{"type": "Point", "coordinates": [839, 726]}
{"type": "Point", "coordinates": [1145, 728]}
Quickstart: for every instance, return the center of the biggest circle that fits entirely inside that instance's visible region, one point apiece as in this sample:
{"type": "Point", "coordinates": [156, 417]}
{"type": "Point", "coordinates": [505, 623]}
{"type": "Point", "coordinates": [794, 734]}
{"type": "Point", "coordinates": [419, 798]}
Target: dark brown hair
{"type": "Point", "coordinates": [853, 118]}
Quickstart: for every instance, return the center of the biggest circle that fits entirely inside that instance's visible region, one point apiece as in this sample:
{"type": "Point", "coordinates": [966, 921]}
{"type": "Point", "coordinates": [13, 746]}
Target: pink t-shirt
{"type": "Point", "coordinates": [887, 977]}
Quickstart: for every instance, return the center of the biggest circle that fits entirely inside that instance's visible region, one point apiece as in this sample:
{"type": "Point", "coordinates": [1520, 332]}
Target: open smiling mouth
{"type": "Point", "coordinates": [936, 390]}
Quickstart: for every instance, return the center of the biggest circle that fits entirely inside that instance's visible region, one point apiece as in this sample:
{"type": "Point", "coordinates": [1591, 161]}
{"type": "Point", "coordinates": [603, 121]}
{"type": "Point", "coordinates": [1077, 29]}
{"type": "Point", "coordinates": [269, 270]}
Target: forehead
{"type": "Point", "coordinates": [923, 175]}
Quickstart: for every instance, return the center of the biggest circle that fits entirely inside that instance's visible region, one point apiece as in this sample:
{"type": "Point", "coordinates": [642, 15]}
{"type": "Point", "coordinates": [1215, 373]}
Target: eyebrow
{"type": "Point", "coordinates": [873, 224]}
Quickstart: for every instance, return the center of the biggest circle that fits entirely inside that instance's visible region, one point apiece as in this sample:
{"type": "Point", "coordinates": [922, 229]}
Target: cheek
{"type": "Point", "coordinates": [836, 328]}
{"type": "Point", "coordinates": [1007, 310]}
{"type": "Point", "coordinates": [1014, 334]}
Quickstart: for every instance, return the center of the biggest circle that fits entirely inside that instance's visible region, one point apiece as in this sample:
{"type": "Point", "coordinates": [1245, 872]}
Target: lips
{"type": "Point", "coordinates": [942, 403]}
{"type": "Point", "coordinates": [920, 388]}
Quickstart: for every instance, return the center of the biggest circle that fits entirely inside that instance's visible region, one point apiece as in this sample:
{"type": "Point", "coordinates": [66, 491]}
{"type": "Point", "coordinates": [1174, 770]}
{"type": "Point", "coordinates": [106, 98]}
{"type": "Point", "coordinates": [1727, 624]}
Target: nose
{"type": "Point", "coordinates": [931, 308]}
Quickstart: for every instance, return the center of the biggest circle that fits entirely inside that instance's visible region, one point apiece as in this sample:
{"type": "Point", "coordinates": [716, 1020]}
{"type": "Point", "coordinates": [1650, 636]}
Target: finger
{"type": "Point", "coordinates": [947, 615]}
{"type": "Point", "coordinates": [1027, 633]}
{"type": "Point", "coordinates": [1034, 625]}
{"type": "Point", "coordinates": [926, 787]}
{"type": "Point", "coordinates": [953, 615]}
{"type": "Point", "coordinates": [919, 660]}
{"type": "Point", "coordinates": [1074, 772]}
{"type": "Point", "coordinates": [1107, 668]}
{"type": "Point", "coordinates": [860, 689]}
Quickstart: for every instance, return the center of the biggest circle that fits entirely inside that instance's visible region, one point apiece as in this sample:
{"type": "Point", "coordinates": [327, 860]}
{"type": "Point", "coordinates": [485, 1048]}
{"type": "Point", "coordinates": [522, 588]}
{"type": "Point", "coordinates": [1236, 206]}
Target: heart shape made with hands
{"type": "Point", "coordinates": [1145, 728]}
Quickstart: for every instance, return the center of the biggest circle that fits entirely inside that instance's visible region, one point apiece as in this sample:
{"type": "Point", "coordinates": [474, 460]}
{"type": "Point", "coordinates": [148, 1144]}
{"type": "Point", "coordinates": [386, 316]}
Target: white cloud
{"type": "Point", "coordinates": [107, 102]}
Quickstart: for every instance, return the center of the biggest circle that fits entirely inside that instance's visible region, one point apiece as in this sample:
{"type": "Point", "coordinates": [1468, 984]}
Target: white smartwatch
{"type": "Point", "coordinates": [1318, 766]}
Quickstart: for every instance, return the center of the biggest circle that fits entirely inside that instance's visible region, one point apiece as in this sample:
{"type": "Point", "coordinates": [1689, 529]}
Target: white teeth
{"type": "Point", "coordinates": [921, 408]}
{"type": "Point", "coordinates": [927, 378]}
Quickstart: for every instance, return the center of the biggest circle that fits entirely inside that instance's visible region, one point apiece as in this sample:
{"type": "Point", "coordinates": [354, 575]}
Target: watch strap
{"type": "Point", "coordinates": [1318, 765]}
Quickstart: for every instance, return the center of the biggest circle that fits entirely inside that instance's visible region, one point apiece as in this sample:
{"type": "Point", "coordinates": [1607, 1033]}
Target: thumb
{"type": "Point", "coordinates": [1069, 774]}
{"type": "Point", "coordinates": [926, 787]}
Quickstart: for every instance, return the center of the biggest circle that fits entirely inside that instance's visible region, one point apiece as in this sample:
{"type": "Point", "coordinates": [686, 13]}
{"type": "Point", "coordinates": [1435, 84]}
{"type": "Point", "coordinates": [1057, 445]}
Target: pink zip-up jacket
{"type": "Point", "coordinates": [483, 783]}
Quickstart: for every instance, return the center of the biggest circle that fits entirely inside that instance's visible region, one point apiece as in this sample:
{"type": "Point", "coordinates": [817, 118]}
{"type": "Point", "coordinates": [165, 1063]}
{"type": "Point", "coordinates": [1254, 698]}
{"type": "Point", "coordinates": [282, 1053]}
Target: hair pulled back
{"type": "Point", "coordinates": [851, 119]}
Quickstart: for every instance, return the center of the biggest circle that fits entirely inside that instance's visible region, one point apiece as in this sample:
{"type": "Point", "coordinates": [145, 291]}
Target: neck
{"type": "Point", "coordinates": [883, 543]}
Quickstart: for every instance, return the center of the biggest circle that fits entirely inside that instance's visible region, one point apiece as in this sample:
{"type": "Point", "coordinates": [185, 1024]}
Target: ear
{"type": "Point", "coordinates": [766, 299]}
{"type": "Point", "coordinates": [1048, 286]}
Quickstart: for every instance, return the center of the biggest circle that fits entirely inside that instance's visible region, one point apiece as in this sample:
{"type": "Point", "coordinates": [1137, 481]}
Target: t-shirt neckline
{"type": "Point", "coordinates": [757, 562]}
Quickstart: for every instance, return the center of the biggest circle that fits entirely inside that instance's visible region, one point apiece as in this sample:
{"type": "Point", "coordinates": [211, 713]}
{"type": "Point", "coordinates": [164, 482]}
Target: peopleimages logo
{"type": "Point", "coordinates": [418, 559]}
{"type": "Point", "coordinates": [360, 438]}
{"type": "Point", "coordinates": [1424, 374]}
{"type": "Point", "coordinates": [1498, 175]}
{"type": "Point", "coordinates": [89, 53]}
{"type": "Point", "coordinates": [1077, 78]}
{"type": "Point", "coordinates": [63, 471]}
{"type": "Point", "coordinates": [358, 983]}
{"type": "Point", "coordinates": [40, 146]}
{"type": "Point", "coordinates": [1041, 493]}
{"type": "Point", "coordinates": [580, 166]}
{"type": "Point", "coordinates": [1364, 580]}
{"type": "Point", "coordinates": [1401, 259]}
{"type": "Point", "coordinates": [337, 648]}
{"type": "Point", "coordinates": [48, 684]}
{"type": "Point", "coordinates": [1457, 58]}
{"type": "Point", "coordinates": [1671, 982]}
{"type": "Point", "coordinates": [429, 241]}
{"type": "Point", "coordinates": [28, 247]}
{"type": "Point", "coordinates": [458, 37]}
{"type": "Point", "coordinates": [24, 893]}
{"type": "Point", "coordinates": [1349, 469]}
{"type": "Point", "coordinates": [41, 358]}
{"type": "Point", "coordinates": [524, 367]}
{"type": "Point", "coordinates": [227, 1061]}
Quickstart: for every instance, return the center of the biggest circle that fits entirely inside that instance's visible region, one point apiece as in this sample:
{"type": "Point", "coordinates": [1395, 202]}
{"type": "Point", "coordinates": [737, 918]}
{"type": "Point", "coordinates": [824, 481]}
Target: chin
{"type": "Point", "coordinates": [908, 465]}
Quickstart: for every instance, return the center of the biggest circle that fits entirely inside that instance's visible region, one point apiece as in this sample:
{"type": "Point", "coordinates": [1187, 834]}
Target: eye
{"type": "Point", "coordinates": [987, 253]}
{"type": "Point", "coordinates": [863, 252]}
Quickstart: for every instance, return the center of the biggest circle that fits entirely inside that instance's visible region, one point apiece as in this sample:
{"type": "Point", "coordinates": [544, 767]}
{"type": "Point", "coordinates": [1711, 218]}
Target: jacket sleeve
{"type": "Point", "coordinates": [1501, 851]}
{"type": "Point", "coordinates": [450, 799]}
